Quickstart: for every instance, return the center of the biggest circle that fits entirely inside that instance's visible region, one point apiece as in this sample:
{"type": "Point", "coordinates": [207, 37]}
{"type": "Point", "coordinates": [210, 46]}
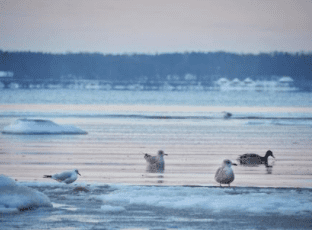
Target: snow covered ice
{"type": "Point", "coordinates": [36, 126]}
{"type": "Point", "coordinates": [215, 200]}
{"type": "Point", "coordinates": [15, 198]}
{"type": "Point", "coordinates": [180, 207]}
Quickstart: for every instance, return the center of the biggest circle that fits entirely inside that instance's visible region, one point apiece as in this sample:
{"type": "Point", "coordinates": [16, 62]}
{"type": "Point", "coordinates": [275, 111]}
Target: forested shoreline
{"type": "Point", "coordinates": [204, 67]}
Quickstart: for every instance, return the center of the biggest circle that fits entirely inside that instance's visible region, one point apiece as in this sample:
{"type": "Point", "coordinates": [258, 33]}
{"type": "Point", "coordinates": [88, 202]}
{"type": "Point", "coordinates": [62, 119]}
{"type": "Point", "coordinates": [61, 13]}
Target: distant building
{"type": "Point", "coordinates": [235, 82]}
{"type": "Point", "coordinates": [190, 77]}
{"type": "Point", "coordinates": [248, 82]}
{"type": "Point", "coordinates": [6, 74]}
{"type": "Point", "coordinates": [286, 81]}
{"type": "Point", "coordinates": [5, 79]}
{"type": "Point", "coordinates": [283, 84]}
{"type": "Point", "coordinates": [222, 81]}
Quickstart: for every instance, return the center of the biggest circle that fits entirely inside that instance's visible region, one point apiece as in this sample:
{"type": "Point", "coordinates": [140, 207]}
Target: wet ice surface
{"type": "Point", "coordinates": [110, 206]}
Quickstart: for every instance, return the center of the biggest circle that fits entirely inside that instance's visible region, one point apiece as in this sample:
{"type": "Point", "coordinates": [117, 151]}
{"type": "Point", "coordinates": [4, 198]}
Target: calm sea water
{"type": "Point", "coordinates": [190, 127]}
{"type": "Point", "coordinates": [192, 98]}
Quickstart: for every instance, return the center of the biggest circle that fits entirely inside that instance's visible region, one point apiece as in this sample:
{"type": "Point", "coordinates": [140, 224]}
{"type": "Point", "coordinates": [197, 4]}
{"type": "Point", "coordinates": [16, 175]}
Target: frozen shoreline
{"type": "Point", "coordinates": [182, 207]}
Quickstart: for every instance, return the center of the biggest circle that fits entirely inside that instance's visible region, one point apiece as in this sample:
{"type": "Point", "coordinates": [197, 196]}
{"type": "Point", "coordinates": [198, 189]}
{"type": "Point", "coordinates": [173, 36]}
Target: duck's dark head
{"type": "Point", "coordinates": [269, 153]}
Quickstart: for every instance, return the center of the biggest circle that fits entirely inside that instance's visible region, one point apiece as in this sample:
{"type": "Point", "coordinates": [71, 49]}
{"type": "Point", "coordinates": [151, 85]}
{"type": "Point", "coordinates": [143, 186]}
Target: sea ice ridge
{"type": "Point", "coordinates": [37, 126]}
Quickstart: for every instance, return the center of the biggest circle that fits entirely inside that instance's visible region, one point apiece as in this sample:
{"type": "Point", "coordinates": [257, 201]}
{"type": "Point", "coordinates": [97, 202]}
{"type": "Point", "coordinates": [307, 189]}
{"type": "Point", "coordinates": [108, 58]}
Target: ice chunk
{"type": "Point", "coordinates": [30, 126]}
{"type": "Point", "coordinates": [109, 208]}
{"type": "Point", "coordinates": [15, 198]}
{"type": "Point", "coordinates": [215, 200]}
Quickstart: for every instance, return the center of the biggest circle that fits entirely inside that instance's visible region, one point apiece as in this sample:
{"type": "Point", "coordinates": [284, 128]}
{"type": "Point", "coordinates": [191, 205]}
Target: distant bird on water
{"type": "Point", "coordinates": [225, 174]}
{"type": "Point", "coordinates": [155, 163]}
{"type": "Point", "coordinates": [226, 115]}
{"type": "Point", "coordinates": [254, 159]}
{"type": "Point", "coordinates": [66, 177]}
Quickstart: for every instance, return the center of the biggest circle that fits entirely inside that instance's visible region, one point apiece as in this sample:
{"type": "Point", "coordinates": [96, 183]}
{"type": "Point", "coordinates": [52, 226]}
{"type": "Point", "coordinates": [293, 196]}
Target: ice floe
{"type": "Point", "coordinates": [109, 208]}
{"type": "Point", "coordinates": [251, 200]}
{"type": "Point", "coordinates": [15, 198]}
{"type": "Point", "coordinates": [37, 126]}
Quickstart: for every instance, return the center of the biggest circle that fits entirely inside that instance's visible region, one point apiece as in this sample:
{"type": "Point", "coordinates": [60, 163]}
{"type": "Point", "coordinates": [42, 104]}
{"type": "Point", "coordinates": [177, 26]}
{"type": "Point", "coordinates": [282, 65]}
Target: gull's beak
{"type": "Point", "coordinates": [78, 173]}
{"type": "Point", "coordinates": [273, 156]}
{"type": "Point", "coordinates": [234, 164]}
{"type": "Point", "coordinates": [165, 154]}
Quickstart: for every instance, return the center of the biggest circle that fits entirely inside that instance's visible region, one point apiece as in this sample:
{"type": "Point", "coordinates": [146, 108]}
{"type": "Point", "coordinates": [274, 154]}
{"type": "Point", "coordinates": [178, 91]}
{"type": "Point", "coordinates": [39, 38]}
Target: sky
{"type": "Point", "coordinates": [156, 26]}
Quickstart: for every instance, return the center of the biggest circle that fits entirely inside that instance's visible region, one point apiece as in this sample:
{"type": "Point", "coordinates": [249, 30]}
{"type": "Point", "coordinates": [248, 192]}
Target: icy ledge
{"type": "Point", "coordinates": [15, 198]}
{"type": "Point", "coordinates": [30, 126]}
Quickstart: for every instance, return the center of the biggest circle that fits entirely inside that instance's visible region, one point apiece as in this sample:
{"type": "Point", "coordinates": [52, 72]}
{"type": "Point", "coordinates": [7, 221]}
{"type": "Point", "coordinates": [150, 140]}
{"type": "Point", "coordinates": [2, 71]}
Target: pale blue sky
{"type": "Point", "coordinates": [143, 26]}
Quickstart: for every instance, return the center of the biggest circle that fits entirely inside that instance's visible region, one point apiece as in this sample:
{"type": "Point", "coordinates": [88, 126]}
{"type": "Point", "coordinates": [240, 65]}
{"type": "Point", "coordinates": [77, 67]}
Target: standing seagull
{"type": "Point", "coordinates": [155, 163]}
{"type": "Point", "coordinates": [66, 177]}
{"type": "Point", "coordinates": [225, 174]}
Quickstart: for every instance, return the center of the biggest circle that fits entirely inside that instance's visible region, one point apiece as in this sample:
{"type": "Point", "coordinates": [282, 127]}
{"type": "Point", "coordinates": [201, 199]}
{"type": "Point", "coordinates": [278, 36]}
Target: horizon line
{"type": "Point", "coordinates": [156, 53]}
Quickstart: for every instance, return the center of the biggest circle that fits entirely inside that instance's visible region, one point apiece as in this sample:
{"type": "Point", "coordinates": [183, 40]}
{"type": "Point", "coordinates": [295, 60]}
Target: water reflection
{"type": "Point", "coordinates": [156, 164]}
{"type": "Point", "coordinates": [268, 167]}
{"type": "Point", "coordinates": [159, 178]}
{"type": "Point", "coordinates": [160, 181]}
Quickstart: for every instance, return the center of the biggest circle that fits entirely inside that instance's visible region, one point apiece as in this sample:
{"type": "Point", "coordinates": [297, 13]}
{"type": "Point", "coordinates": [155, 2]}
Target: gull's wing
{"type": "Point", "coordinates": [71, 179]}
{"type": "Point", "coordinates": [150, 159]}
{"type": "Point", "coordinates": [218, 175]}
{"type": "Point", "coordinates": [62, 176]}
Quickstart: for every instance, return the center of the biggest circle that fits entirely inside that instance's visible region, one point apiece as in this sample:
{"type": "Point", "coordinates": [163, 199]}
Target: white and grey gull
{"type": "Point", "coordinates": [66, 177]}
{"type": "Point", "coordinates": [225, 174]}
{"type": "Point", "coordinates": [155, 163]}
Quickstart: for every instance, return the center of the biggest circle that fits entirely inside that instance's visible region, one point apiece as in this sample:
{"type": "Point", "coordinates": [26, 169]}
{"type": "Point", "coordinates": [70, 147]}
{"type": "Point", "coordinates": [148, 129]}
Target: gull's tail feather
{"type": "Point", "coordinates": [47, 176]}
{"type": "Point", "coordinates": [147, 156]}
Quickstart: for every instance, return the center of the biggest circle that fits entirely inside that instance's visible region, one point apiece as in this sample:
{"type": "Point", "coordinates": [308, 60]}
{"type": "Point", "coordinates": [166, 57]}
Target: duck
{"type": "Point", "coordinates": [67, 177]}
{"type": "Point", "coordinates": [254, 159]}
{"type": "Point", "coordinates": [226, 115]}
{"type": "Point", "coordinates": [225, 174]}
{"type": "Point", "coordinates": [155, 163]}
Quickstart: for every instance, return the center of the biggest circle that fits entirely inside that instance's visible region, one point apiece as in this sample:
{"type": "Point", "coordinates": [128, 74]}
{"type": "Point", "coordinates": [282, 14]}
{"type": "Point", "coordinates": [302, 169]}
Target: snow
{"type": "Point", "coordinates": [14, 197]}
{"type": "Point", "coordinates": [251, 200]}
{"type": "Point", "coordinates": [36, 126]}
{"type": "Point", "coordinates": [109, 208]}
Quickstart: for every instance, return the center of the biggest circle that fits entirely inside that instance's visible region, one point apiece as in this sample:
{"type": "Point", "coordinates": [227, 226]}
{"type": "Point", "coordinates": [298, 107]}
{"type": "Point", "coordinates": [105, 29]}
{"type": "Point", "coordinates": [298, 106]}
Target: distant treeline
{"type": "Point", "coordinates": [143, 67]}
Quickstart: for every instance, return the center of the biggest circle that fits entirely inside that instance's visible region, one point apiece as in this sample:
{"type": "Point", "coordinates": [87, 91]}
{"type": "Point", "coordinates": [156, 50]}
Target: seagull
{"type": "Point", "coordinates": [225, 174]}
{"type": "Point", "coordinates": [155, 163]}
{"type": "Point", "coordinates": [254, 159]}
{"type": "Point", "coordinates": [66, 177]}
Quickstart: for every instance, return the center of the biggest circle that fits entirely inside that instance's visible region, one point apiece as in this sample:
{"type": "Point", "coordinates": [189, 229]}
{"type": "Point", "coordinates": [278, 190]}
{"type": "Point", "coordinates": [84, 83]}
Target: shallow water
{"type": "Point", "coordinates": [112, 151]}
{"type": "Point", "coordinates": [191, 129]}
